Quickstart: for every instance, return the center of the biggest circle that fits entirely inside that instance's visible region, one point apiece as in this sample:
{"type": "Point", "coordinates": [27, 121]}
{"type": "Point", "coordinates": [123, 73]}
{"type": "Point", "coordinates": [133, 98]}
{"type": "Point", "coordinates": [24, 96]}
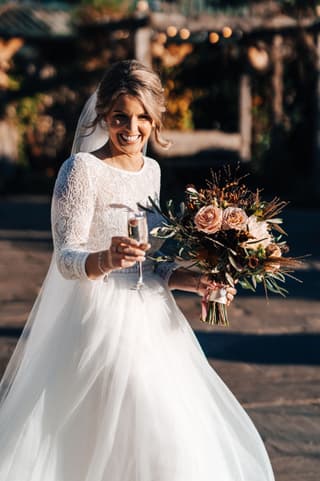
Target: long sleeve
{"type": "Point", "coordinates": [71, 216]}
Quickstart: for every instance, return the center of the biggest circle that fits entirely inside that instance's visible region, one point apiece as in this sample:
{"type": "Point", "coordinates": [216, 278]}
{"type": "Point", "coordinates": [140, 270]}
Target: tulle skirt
{"type": "Point", "coordinates": [112, 385]}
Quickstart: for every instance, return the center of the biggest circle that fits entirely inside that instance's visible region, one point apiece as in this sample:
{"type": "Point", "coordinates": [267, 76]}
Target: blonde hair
{"type": "Point", "coordinates": [131, 77]}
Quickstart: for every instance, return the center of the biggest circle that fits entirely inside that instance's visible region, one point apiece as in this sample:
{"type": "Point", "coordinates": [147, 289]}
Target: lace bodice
{"type": "Point", "coordinates": [89, 207]}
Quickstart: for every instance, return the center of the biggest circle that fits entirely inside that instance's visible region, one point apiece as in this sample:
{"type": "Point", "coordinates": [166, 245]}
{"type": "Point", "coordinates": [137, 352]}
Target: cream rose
{"type": "Point", "coordinates": [234, 218]}
{"type": "Point", "coordinates": [273, 253]}
{"type": "Point", "coordinates": [259, 233]}
{"type": "Point", "coordinates": [208, 219]}
{"type": "Point", "coordinates": [273, 250]}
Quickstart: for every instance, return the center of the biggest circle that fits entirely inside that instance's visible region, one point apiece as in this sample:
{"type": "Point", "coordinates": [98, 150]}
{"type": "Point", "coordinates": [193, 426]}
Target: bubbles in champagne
{"type": "Point", "coordinates": [138, 228]}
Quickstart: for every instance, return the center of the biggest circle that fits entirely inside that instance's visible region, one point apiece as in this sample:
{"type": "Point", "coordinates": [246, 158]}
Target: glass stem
{"type": "Point", "coordinates": [140, 280]}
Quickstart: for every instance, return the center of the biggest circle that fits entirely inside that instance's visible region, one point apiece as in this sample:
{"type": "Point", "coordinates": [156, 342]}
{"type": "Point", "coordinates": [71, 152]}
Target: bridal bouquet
{"type": "Point", "coordinates": [231, 234]}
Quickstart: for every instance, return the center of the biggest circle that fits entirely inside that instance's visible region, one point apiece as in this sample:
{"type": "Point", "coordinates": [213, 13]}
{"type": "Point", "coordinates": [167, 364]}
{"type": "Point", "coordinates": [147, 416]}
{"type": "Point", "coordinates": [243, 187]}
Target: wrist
{"type": "Point", "coordinates": [104, 262]}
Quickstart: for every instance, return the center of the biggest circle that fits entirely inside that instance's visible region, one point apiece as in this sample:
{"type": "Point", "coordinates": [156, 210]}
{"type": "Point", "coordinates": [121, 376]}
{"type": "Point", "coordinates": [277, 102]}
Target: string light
{"type": "Point", "coordinates": [184, 33]}
{"type": "Point", "coordinates": [258, 58]}
{"type": "Point", "coordinates": [227, 32]}
{"type": "Point", "coordinates": [214, 37]}
{"type": "Point", "coordinates": [172, 31]}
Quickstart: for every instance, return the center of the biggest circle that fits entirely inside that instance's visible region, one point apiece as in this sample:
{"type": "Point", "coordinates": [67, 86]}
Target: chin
{"type": "Point", "coordinates": [131, 149]}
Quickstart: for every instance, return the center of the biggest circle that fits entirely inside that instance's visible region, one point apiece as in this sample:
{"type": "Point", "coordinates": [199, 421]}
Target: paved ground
{"type": "Point", "coordinates": [269, 357]}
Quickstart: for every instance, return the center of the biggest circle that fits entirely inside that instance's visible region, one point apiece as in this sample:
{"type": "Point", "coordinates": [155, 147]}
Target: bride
{"type": "Point", "coordinates": [109, 383]}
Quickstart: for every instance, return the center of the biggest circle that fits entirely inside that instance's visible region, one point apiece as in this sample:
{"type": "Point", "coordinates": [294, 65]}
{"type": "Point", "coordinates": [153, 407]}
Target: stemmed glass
{"type": "Point", "coordinates": [138, 230]}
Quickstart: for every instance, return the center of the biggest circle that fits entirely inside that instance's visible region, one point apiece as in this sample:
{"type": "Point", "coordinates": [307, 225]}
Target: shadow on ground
{"type": "Point", "coordinates": [262, 348]}
{"type": "Point", "coordinates": [302, 349]}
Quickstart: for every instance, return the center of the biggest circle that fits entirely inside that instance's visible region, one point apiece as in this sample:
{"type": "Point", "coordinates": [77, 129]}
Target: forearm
{"type": "Point", "coordinates": [190, 281]}
{"type": "Point", "coordinates": [184, 280]}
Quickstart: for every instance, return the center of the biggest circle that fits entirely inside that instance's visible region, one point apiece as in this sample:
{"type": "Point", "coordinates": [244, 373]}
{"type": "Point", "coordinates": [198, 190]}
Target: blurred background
{"type": "Point", "coordinates": [242, 80]}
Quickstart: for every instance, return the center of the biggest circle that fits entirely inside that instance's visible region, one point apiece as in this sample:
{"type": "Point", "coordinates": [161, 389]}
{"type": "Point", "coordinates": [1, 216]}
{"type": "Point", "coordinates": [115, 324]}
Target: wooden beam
{"type": "Point", "coordinates": [245, 117]}
{"type": "Point", "coordinates": [277, 79]}
{"type": "Point", "coordinates": [190, 143]}
{"type": "Point", "coordinates": [316, 156]}
{"type": "Point", "coordinates": [142, 47]}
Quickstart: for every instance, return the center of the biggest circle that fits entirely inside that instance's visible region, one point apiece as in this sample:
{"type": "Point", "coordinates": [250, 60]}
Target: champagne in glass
{"type": "Point", "coordinates": [138, 230]}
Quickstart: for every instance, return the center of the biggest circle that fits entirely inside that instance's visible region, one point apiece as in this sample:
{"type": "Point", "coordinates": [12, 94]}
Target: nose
{"type": "Point", "coordinates": [132, 124]}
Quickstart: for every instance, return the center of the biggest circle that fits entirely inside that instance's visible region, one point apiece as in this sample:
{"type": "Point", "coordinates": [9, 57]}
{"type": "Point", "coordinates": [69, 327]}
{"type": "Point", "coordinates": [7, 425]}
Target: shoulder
{"type": "Point", "coordinates": [76, 172]}
{"type": "Point", "coordinates": [152, 164]}
{"type": "Point", "coordinates": [81, 160]}
{"type": "Point", "coordinates": [80, 164]}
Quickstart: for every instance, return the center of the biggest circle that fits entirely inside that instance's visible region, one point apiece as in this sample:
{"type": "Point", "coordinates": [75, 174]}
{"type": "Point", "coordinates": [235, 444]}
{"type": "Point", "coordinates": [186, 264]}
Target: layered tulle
{"type": "Point", "coordinates": [112, 385]}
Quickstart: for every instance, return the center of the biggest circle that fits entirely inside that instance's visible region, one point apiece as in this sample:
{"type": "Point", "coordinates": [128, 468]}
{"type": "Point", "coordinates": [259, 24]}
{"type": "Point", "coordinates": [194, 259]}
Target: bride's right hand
{"type": "Point", "coordinates": [124, 252]}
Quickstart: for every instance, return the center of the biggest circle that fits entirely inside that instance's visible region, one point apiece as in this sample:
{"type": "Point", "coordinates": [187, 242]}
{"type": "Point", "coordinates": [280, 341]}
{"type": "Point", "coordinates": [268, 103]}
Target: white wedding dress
{"type": "Point", "coordinates": [108, 383]}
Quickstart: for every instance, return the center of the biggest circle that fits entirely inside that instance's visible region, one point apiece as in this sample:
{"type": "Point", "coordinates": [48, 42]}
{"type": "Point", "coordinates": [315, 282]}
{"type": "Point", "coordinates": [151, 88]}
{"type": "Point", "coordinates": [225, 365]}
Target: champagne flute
{"type": "Point", "coordinates": [138, 230]}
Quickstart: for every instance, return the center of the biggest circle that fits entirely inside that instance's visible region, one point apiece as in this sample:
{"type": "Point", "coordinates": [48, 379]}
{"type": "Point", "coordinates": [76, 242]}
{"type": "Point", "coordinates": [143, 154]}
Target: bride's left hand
{"type": "Point", "coordinates": [203, 284]}
{"type": "Point", "coordinates": [186, 280]}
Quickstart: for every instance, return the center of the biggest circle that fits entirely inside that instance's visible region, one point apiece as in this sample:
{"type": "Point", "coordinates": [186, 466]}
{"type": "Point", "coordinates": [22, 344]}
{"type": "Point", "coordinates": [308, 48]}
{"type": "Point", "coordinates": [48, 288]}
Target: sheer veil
{"type": "Point", "coordinates": [88, 138]}
{"type": "Point", "coordinates": [55, 290]}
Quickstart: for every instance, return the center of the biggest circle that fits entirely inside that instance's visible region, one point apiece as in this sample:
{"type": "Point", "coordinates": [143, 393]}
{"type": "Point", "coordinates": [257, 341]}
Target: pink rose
{"type": "Point", "coordinates": [208, 219]}
{"type": "Point", "coordinates": [234, 218]}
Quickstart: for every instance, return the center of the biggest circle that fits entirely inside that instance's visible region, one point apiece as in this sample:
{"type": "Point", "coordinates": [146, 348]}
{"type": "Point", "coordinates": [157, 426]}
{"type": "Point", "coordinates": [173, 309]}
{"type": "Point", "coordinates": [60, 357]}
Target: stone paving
{"type": "Point", "coordinates": [269, 356]}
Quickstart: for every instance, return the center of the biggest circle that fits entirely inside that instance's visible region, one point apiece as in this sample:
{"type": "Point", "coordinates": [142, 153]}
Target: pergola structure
{"type": "Point", "coordinates": [20, 23]}
{"type": "Point", "coordinates": [247, 29]}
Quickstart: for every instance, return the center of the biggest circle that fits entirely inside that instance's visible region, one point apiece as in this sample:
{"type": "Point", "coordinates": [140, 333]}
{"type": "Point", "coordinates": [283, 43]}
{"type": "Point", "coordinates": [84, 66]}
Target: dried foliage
{"type": "Point", "coordinates": [231, 234]}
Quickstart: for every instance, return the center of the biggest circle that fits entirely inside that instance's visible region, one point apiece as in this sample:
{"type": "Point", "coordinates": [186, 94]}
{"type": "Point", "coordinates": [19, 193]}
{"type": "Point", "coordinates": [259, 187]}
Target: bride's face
{"type": "Point", "coordinates": [129, 126]}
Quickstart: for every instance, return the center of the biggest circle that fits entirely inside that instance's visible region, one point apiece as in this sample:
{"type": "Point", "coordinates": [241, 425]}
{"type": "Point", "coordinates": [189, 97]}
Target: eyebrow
{"type": "Point", "coordinates": [124, 112]}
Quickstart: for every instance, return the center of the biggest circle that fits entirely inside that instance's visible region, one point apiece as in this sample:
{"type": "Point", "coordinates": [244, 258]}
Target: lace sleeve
{"type": "Point", "coordinates": [71, 216]}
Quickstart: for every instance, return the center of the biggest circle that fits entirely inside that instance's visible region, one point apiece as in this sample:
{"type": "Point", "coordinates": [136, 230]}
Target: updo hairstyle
{"type": "Point", "coordinates": [130, 77]}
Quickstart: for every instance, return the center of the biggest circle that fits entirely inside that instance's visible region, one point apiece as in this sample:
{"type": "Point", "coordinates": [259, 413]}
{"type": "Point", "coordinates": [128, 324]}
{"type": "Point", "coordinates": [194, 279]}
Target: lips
{"type": "Point", "coordinates": [129, 138]}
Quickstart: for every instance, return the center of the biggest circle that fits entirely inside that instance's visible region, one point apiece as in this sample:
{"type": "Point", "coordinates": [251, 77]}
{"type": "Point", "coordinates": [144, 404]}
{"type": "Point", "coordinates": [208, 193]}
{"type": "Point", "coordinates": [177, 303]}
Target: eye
{"type": "Point", "coordinates": [119, 116]}
{"type": "Point", "coordinates": [118, 119]}
{"type": "Point", "coordinates": [145, 117]}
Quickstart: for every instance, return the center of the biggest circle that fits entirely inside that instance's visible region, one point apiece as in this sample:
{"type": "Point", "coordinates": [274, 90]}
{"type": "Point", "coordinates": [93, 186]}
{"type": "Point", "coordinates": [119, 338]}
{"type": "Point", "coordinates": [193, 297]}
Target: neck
{"type": "Point", "coordinates": [129, 162]}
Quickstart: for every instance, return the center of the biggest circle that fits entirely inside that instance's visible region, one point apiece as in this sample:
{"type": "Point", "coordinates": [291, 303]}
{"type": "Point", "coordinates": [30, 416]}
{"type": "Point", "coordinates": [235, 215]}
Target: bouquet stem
{"type": "Point", "coordinates": [216, 314]}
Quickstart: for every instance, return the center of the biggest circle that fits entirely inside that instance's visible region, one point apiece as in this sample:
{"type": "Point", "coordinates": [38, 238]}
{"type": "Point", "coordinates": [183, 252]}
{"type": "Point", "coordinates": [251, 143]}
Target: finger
{"type": "Point", "coordinates": [232, 291]}
{"type": "Point", "coordinates": [130, 251]}
{"type": "Point", "coordinates": [126, 263]}
{"type": "Point", "coordinates": [144, 247]}
{"type": "Point", "coordinates": [123, 240]}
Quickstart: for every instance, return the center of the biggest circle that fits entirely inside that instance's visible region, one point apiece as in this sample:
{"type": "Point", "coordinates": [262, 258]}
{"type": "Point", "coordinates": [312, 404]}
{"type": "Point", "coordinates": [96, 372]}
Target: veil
{"type": "Point", "coordinates": [55, 290]}
{"type": "Point", "coordinates": [86, 137]}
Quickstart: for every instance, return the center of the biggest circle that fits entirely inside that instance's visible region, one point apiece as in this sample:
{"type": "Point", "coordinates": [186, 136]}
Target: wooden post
{"type": "Point", "coordinates": [277, 79]}
{"type": "Point", "coordinates": [142, 45]}
{"type": "Point", "coordinates": [245, 117]}
{"type": "Point", "coordinates": [316, 159]}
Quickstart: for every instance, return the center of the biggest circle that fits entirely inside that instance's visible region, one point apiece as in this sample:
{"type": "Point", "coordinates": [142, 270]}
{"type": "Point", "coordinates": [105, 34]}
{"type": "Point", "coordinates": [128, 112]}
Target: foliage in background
{"type": "Point", "coordinates": [202, 90]}
{"type": "Point", "coordinates": [93, 10]}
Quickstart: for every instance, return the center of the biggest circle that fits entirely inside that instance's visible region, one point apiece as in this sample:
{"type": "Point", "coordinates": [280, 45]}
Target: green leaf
{"type": "Point", "coordinates": [279, 276]}
{"type": "Point", "coordinates": [229, 279]}
{"type": "Point", "coordinates": [254, 282]}
{"type": "Point", "coordinates": [162, 232]}
{"type": "Point", "coordinates": [192, 190]}
{"type": "Point", "coordinates": [246, 284]}
{"type": "Point", "coordinates": [234, 264]}
{"type": "Point", "coordinates": [274, 221]}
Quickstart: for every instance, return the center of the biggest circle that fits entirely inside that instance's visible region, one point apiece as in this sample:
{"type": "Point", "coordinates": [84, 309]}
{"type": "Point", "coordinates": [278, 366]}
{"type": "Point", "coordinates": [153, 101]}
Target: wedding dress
{"type": "Point", "coordinates": [111, 384]}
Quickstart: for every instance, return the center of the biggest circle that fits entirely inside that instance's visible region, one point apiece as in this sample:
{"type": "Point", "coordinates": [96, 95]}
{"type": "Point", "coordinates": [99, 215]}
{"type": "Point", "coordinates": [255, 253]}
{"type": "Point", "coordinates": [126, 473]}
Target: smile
{"type": "Point", "coordinates": [129, 138]}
